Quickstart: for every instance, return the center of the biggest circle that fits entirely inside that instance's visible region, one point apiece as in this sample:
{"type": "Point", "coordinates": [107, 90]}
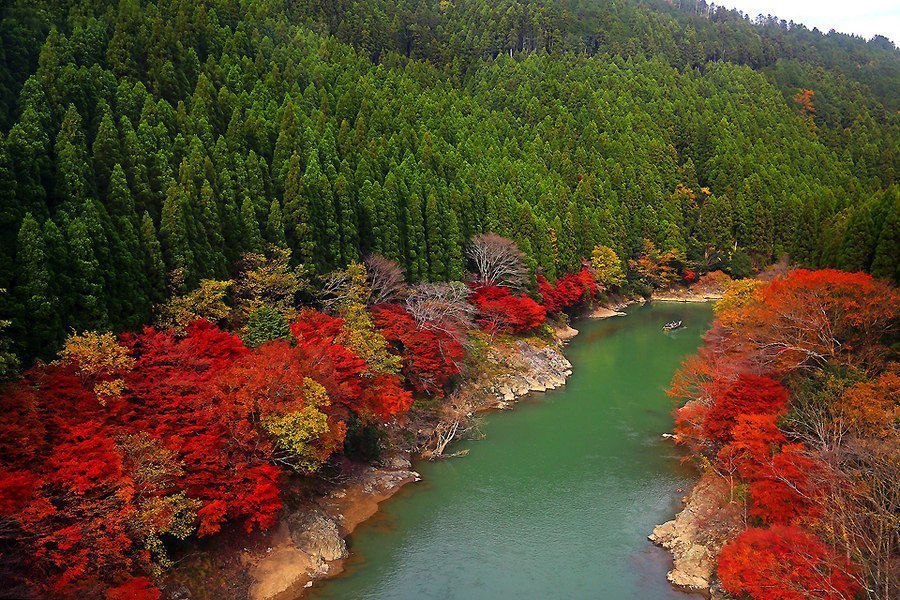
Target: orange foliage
{"type": "Point", "coordinates": [804, 99]}
{"type": "Point", "coordinates": [873, 407]}
{"type": "Point", "coordinates": [766, 331]}
{"type": "Point", "coordinates": [807, 318]}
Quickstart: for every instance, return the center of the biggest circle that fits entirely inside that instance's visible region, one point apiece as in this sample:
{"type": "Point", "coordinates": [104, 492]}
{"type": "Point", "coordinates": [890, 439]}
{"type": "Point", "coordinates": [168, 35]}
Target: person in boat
{"type": "Point", "coordinates": [672, 325]}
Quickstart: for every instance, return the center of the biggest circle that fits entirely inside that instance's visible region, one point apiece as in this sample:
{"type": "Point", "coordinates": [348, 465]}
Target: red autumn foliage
{"type": "Point", "coordinates": [786, 488]}
{"type": "Point", "coordinates": [755, 438]}
{"type": "Point", "coordinates": [16, 489]}
{"type": "Point", "coordinates": [747, 395]}
{"type": "Point", "coordinates": [135, 588]}
{"type": "Point", "coordinates": [343, 373]}
{"type": "Point", "coordinates": [784, 563]}
{"type": "Point", "coordinates": [569, 290]}
{"type": "Point", "coordinates": [500, 310]}
{"type": "Point", "coordinates": [82, 482]}
{"type": "Point", "coordinates": [689, 276]}
{"type": "Point", "coordinates": [431, 357]}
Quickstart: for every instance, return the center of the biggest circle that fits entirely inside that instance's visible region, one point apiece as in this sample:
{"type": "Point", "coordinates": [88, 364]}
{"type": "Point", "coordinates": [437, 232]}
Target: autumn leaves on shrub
{"type": "Point", "coordinates": [126, 444]}
{"type": "Point", "coordinates": [793, 399]}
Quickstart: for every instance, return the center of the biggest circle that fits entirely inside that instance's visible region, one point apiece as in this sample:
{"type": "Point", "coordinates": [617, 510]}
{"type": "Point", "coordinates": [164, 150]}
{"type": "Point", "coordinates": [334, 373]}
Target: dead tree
{"type": "Point", "coordinates": [441, 306]}
{"type": "Point", "coordinates": [386, 279]}
{"type": "Point", "coordinates": [498, 261]}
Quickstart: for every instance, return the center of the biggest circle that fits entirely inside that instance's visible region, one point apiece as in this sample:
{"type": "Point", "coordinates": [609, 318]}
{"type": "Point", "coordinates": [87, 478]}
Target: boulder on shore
{"type": "Point", "coordinates": [696, 535]}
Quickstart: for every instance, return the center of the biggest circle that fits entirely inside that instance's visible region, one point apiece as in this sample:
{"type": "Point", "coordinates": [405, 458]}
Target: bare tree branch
{"type": "Point", "coordinates": [498, 261]}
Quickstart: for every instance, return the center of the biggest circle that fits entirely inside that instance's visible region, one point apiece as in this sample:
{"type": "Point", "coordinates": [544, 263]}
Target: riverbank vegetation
{"type": "Point", "coordinates": [793, 401]}
{"type": "Point", "coordinates": [325, 211]}
{"type": "Point", "coordinates": [128, 445]}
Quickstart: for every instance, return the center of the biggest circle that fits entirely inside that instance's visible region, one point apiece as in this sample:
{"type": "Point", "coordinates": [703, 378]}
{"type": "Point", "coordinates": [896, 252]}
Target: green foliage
{"type": "Point", "coordinates": [363, 441]}
{"type": "Point", "coordinates": [147, 138]}
{"type": "Point", "coordinates": [265, 324]}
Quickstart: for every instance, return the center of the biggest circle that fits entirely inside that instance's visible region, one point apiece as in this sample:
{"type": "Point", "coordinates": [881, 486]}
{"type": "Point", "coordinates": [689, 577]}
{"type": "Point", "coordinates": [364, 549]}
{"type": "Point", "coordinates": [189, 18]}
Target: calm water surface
{"type": "Point", "coordinates": [557, 500]}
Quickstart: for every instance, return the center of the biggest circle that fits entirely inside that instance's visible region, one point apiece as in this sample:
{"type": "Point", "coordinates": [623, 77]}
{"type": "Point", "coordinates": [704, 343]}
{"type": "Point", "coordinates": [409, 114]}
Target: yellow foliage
{"type": "Point", "coordinates": [314, 393]}
{"type": "Point", "coordinates": [738, 296]}
{"type": "Point", "coordinates": [152, 466]}
{"type": "Point", "coordinates": [304, 436]}
{"type": "Point", "coordinates": [268, 281]}
{"type": "Point", "coordinates": [96, 354]}
{"type": "Point", "coordinates": [109, 389]}
{"type": "Point", "coordinates": [205, 302]}
{"type": "Point", "coordinates": [359, 333]}
{"type": "Point", "coordinates": [175, 515]}
{"type": "Point", "coordinates": [606, 266]}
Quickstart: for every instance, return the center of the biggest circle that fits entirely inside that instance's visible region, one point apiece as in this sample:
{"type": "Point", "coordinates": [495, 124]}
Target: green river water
{"type": "Point", "coordinates": [558, 498]}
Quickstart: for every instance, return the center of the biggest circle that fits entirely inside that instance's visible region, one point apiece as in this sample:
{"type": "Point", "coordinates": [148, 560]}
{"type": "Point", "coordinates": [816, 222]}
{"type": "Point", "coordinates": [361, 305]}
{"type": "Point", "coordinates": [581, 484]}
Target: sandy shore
{"type": "Point", "coordinates": [686, 297]}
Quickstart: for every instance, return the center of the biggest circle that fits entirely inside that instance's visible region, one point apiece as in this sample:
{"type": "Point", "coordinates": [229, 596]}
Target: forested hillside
{"type": "Point", "coordinates": [146, 146]}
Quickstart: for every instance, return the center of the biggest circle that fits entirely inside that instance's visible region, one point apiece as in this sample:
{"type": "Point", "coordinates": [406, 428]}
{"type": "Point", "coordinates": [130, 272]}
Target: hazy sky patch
{"type": "Point", "coordinates": [861, 17]}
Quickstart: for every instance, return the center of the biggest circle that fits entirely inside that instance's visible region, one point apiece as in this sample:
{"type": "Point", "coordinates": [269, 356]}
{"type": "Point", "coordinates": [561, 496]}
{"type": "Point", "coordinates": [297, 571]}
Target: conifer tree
{"type": "Point", "coordinates": [317, 191]}
{"type": "Point", "coordinates": [275, 225]}
{"type": "Point", "coordinates": [416, 245]}
{"type": "Point", "coordinates": [38, 314]}
{"type": "Point", "coordinates": [252, 238]}
{"type": "Point", "coordinates": [10, 217]}
{"type": "Point", "coordinates": [131, 275]}
{"type": "Point", "coordinates": [349, 236]}
{"type": "Point", "coordinates": [73, 172]}
{"type": "Point", "coordinates": [298, 218]}
{"type": "Point", "coordinates": [153, 259]}
{"type": "Point", "coordinates": [88, 309]}
{"type": "Point", "coordinates": [212, 230]}
{"type": "Point", "coordinates": [859, 240]}
{"type": "Point", "coordinates": [174, 238]}
{"type": "Point", "coordinates": [106, 151]}
{"type": "Point", "coordinates": [885, 262]}
{"type": "Point", "coordinates": [434, 232]}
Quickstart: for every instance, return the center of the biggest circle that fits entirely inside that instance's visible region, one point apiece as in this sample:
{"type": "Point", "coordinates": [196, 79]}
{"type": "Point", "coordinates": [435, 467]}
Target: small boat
{"type": "Point", "coordinates": [672, 325]}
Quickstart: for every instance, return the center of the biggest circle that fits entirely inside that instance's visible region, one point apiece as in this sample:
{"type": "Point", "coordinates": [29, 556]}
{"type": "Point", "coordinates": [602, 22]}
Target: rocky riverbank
{"type": "Point", "coordinates": [309, 543]}
{"type": "Point", "coordinates": [694, 537]}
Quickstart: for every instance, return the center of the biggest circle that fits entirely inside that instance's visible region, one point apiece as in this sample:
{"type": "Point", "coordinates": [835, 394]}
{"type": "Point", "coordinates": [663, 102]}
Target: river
{"type": "Point", "coordinates": [558, 498]}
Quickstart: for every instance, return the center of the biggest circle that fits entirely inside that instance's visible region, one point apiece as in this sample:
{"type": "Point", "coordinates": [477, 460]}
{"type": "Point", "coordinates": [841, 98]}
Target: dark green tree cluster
{"type": "Point", "coordinates": [150, 144]}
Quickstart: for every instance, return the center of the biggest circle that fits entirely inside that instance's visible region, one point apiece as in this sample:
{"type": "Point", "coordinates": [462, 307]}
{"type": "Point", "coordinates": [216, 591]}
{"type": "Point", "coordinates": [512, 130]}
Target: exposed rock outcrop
{"type": "Point", "coordinates": [532, 370]}
{"type": "Point", "coordinates": [317, 535]}
{"type": "Point", "coordinates": [694, 537]}
{"type": "Point", "coordinates": [309, 543]}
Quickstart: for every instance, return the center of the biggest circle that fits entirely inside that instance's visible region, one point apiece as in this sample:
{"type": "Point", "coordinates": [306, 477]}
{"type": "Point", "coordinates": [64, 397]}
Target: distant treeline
{"type": "Point", "coordinates": [146, 146]}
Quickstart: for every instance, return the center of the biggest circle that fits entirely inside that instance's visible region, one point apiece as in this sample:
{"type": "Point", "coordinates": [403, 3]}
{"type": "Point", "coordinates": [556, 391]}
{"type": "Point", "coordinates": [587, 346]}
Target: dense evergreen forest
{"type": "Point", "coordinates": [145, 146]}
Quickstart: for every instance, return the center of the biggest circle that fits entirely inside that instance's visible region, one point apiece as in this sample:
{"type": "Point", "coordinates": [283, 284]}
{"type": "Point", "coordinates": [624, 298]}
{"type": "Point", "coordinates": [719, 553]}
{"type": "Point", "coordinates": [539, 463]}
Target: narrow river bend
{"type": "Point", "coordinates": [557, 500]}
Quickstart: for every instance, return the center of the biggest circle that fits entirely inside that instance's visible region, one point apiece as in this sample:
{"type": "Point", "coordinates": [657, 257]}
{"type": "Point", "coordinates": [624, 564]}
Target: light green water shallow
{"type": "Point", "coordinates": [557, 500]}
